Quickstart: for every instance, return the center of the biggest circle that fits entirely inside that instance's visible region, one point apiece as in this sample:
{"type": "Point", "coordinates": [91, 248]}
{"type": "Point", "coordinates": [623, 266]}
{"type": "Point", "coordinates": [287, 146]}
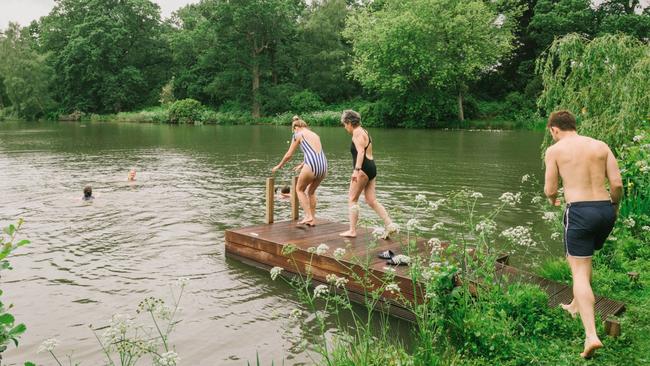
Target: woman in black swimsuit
{"type": "Point", "coordinates": [363, 175]}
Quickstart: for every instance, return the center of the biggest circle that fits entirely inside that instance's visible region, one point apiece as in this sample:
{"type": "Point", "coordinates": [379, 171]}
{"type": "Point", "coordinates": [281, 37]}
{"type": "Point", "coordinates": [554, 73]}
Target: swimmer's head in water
{"type": "Point", "coordinates": [88, 192]}
{"type": "Point", "coordinates": [285, 190]}
{"type": "Point", "coordinates": [132, 174]}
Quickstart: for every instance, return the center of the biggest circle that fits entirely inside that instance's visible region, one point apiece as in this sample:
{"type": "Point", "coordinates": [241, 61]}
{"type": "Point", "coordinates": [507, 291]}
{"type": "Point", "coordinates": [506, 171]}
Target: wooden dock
{"type": "Point", "coordinates": [262, 246]}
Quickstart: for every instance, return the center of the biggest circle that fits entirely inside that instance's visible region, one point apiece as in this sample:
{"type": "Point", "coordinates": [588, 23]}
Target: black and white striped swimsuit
{"type": "Point", "coordinates": [316, 161]}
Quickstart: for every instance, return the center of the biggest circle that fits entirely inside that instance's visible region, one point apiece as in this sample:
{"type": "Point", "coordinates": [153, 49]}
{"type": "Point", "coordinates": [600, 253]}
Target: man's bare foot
{"type": "Point", "coordinates": [591, 345]}
{"type": "Point", "coordinates": [349, 234]}
{"type": "Point", "coordinates": [570, 308]}
{"type": "Point", "coordinates": [305, 220]}
{"type": "Point", "coordinates": [311, 222]}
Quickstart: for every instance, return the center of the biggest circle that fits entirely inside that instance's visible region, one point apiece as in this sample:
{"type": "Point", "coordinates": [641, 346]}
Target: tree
{"type": "Point", "coordinates": [323, 53]}
{"type": "Point", "coordinates": [237, 47]}
{"type": "Point", "coordinates": [109, 55]}
{"type": "Point", "coordinates": [25, 74]}
{"type": "Point", "coordinates": [424, 45]}
{"type": "Point", "coordinates": [606, 79]}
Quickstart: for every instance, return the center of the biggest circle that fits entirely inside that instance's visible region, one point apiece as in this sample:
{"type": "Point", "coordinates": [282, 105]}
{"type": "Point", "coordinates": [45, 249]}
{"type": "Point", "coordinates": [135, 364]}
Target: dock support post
{"type": "Point", "coordinates": [270, 183]}
{"type": "Point", "coordinates": [294, 199]}
{"type": "Point", "coordinates": [612, 327]}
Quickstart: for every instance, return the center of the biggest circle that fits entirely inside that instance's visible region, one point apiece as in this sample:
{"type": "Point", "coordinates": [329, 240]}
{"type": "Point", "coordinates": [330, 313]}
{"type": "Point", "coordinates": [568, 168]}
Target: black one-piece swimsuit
{"type": "Point", "coordinates": [368, 166]}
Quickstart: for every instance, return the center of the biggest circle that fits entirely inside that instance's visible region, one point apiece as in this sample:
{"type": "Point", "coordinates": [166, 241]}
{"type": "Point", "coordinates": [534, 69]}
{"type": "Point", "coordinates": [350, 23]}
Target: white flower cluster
{"type": "Point", "coordinates": [645, 228]}
{"type": "Point", "coordinates": [295, 314]}
{"type": "Point", "coordinates": [638, 138]}
{"type": "Point", "coordinates": [556, 236]}
{"type": "Point", "coordinates": [48, 345]}
{"type": "Point", "coordinates": [168, 359]}
{"type": "Point", "coordinates": [525, 178]}
{"type": "Point", "coordinates": [549, 216]}
{"type": "Point", "coordinates": [275, 272]}
{"type": "Point", "coordinates": [320, 291]}
{"type": "Point", "coordinates": [510, 198]}
{"type": "Point", "coordinates": [535, 200]}
{"type": "Point", "coordinates": [182, 281]}
{"type": "Point", "coordinates": [401, 258]}
{"type": "Point", "coordinates": [117, 328]}
{"type": "Point", "coordinates": [412, 224]}
{"type": "Point", "coordinates": [392, 228]}
{"type": "Point", "coordinates": [335, 280]}
{"type": "Point", "coordinates": [435, 244]}
{"type": "Point", "coordinates": [392, 288]}
{"type": "Point", "coordinates": [487, 227]}
{"type": "Point", "coordinates": [519, 235]}
{"type": "Point", "coordinates": [379, 233]}
{"type": "Point", "coordinates": [643, 166]}
{"type": "Point", "coordinates": [476, 195]}
{"type": "Point", "coordinates": [420, 198]}
{"type": "Point", "coordinates": [339, 253]}
{"type": "Point", "coordinates": [629, 222]}
{"type": "Point", "coordinates": [322, 249]}
{"type": "Point", "coordinates": [433, 206]}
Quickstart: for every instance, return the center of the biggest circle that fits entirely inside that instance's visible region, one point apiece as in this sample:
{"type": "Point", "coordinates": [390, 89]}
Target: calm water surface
{"type": "Point", "coordinates": [89, 261]}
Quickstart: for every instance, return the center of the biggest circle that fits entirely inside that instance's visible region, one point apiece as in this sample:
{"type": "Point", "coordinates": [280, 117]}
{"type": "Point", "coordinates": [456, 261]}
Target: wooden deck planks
{"type": "Point", "coordinates": [262, 245]}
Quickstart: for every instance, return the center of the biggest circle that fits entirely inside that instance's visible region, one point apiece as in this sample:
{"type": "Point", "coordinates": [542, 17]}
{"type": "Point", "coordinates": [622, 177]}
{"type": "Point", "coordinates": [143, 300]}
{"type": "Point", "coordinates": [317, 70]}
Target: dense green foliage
{"type": "Point", "coordinates": [413, 63]}
{"type": "Point", "coordinates": [606, 79]}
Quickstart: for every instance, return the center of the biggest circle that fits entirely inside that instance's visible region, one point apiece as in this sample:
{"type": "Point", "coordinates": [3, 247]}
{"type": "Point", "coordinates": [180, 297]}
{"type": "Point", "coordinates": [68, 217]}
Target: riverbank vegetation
{"type": "Point", "coordinates": [400, 63]}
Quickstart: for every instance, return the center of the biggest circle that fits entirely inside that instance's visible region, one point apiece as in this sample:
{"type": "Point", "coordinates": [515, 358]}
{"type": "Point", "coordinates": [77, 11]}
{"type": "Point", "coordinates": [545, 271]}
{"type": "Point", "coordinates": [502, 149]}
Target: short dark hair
{"type": "Point", "coordinates": [564, 120]}
{"type": "Point", "coordinates": [88, 191]}
{"type": "Point", "coordinates": [285, 189]}
{"type": "Point", "coordinates": [351, 117]}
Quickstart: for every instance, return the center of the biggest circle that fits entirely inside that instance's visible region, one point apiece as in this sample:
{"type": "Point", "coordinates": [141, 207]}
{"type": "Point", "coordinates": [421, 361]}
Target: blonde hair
{"type": "Point", "coordinates": [297, 122]}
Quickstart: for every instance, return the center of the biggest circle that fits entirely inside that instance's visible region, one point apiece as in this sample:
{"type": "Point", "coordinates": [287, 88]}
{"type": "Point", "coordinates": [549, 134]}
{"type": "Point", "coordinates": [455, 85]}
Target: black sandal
{"type": "Point", "coordinates": [387, 254]}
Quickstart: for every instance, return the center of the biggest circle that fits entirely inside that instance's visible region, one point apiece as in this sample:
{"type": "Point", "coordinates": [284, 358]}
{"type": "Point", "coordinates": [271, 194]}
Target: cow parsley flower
{"type": "Point", "coordinates": [556, 236]}
{"type": "Point", "coordinates": [335, 280]}
{"type": "Point", "coordinates": [322, 249]}
{"type": "Point", "coordinates": [420, 198]}
{"type": "Point", "coordinates": [519, 235]}
{"type": "Point", "coordinates": [549, 216]}
{"type": "Point", "coordinates": [629, 222]}
{"type": "Point", "coordinates": [435, 244]}
{"type": "Point", "coordinates": [320, 291]}
{"type": "Point", "coordinates": [393, 288]}
{"type": "Point", "coordinates": [510, 198]}
{"type": "Point", "coordinates": [487, 227]}
{"type": "Point", "coordinates": [275, 272]}
{"type": "Point", "coordinates": [339, 253]}
{"type": "Point", "coordinates": [476, 195]}
{"type": "Point", "coordinates": [168, 359]}
{"type": "Point", "coordinates": [525, 178]}
{"type": "Point", "coordinates": [379, 233]}
{"type": "Point", "coordinates": [48, 345]}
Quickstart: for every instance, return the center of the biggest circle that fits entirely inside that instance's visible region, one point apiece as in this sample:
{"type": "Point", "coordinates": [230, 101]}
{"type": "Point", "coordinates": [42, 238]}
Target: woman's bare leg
{"type": "Point", "coordinates": [371, 200]}
{"type": "Point", "coordinates": [305, 178]}
{"type": "Point", "coordinates": [353, 204]}
{"type": "Point", "coordinates": [311, 192]}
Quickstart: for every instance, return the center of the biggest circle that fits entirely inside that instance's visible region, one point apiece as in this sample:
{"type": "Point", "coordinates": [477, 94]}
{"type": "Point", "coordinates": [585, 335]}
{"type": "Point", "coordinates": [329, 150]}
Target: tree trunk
{"type": "Point", "coordinates": [461, 114]}
{"type": "Point", "coordinates": [256, 89]}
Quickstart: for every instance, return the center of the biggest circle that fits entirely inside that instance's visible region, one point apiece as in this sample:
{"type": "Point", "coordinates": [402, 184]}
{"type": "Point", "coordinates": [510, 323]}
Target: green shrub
{"type": "Point", "coordinates": [277, 99]}
{"type": "Point", "coordinates": [306, 101]}
{"type": "Point", "coordinates": [185, 111]}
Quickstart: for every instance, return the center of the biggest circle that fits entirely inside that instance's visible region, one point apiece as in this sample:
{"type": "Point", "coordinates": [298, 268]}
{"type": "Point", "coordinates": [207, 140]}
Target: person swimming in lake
{"type": "Point", "coordinates": [285, 192]}
{"type": "Point", "coordinates": [88, 194]}
{"type": "Point", "coordinates": [131, 176]}
{"type": "Point", "coordinates": [312, 171]}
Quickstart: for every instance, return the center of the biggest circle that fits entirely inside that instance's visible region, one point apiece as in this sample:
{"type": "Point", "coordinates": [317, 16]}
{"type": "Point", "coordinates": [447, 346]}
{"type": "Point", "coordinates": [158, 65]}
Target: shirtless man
{"type": "Point", "coordinates": [584, 164]}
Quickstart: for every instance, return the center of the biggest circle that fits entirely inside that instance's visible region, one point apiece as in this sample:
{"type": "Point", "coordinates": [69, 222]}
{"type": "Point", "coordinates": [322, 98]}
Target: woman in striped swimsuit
{"type": "Point", "coordinates": [313, 169]}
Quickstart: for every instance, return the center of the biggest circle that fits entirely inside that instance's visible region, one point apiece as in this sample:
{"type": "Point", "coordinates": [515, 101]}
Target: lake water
{"type": "Point", "coordinates": [89, 261]}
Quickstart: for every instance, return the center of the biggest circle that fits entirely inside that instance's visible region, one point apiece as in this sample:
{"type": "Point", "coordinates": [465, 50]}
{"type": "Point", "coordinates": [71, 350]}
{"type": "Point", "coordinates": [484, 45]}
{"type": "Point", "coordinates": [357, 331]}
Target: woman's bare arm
{"type": "Point", "coordinates": [288, 155]}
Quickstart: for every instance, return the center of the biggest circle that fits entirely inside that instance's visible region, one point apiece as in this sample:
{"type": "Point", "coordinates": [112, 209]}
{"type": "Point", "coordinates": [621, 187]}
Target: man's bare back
{"type": "Point", "coordinates": [584, 164]}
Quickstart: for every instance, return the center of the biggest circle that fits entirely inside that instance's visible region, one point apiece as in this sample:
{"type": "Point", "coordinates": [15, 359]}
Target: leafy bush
{"type": "Point", "coordinates": [277, 98]}
{"type": "Point", "coordinates": [185, 111]}
{"type": "Point", "coordinates": [306, 101]}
